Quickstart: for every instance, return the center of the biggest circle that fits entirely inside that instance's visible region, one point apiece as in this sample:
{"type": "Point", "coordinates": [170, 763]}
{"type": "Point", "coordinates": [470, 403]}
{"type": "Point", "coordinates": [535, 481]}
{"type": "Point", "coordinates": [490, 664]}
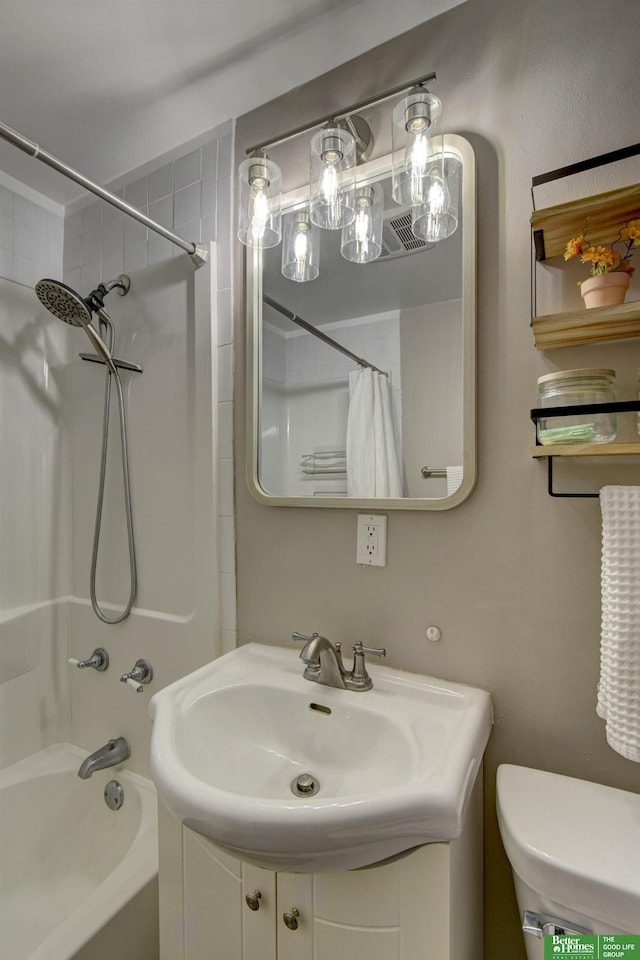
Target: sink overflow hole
{"type": "Point", "coordinates": [305, 785]}
{"type": "Point", "coordinates": [320, 708]}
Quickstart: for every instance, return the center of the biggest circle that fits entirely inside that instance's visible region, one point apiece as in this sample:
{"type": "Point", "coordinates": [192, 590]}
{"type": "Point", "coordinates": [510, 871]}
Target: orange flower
{"type": "Point", "coordinates": [631, 232]}
{"type": "Point", "coordinates": [600, 255]}
{"type": "Point", "coordinates": [574, 247]}
{"type": "Point", "coordinates": [606, 259]}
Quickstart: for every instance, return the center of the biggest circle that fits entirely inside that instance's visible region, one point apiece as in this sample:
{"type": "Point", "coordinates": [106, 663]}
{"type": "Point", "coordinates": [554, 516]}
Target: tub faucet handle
{"type": "Point", "coordinates": [99, 660]}
{"type": "Point", "coordinates": [140, 674]}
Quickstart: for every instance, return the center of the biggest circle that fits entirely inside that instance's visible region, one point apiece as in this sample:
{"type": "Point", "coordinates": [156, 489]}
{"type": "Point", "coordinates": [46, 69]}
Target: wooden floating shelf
{"type": "Point", "coordinates": [586, 450]}
{"type": "Point", "coordinates": [597, 325]}
{"type": "Point", "coordinates": [606, 213]}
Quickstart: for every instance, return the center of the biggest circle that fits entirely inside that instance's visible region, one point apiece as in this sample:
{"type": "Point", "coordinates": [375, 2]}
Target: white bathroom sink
{"type": "Point", "coordinates": [394, 766]}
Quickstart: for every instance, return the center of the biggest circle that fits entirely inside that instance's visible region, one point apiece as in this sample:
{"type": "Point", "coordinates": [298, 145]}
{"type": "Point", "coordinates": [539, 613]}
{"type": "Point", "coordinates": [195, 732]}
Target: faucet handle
{"type": "Point", "coordinates": [374, 651]}
{"type": "Point", "coordinates": [301, 636]}
{"type": "Point", "coordinates": [99, 660]}
{"type": "Point", "coordinates": [360, 679]}
{"type": "Point", "coordinates": [139, 674]}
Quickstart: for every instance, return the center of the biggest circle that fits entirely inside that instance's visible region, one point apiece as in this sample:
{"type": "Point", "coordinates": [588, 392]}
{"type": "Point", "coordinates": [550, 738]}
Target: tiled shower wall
{"type": "Point", "coordinates": [30, 236]}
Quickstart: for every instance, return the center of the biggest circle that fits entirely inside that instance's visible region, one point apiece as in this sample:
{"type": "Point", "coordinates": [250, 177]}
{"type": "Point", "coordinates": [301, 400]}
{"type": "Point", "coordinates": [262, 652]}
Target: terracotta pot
{"type": "Point", "coordinates": [605, 290]}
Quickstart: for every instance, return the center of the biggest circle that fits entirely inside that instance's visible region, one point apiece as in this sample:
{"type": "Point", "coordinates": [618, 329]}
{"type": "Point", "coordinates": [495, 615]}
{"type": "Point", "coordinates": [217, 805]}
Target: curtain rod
{"type": "Point", "coordinates": [342, 114]}
{"type": "Point", "coordinates": [198, 252]}
{"type": "Point", "coordinates": [318, 333]}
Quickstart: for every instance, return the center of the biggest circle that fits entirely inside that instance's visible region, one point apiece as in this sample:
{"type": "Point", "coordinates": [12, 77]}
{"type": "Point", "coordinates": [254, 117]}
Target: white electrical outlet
{"type": "Point", "coordinates": [371, 547]}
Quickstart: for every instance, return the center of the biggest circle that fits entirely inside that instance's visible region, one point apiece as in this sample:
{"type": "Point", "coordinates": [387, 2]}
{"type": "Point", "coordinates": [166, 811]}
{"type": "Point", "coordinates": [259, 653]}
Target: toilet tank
{"type": "Point", "coordinates": [574, 847]}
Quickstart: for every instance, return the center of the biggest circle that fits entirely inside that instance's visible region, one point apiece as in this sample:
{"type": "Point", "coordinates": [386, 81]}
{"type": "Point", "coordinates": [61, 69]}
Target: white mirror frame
{"type": "Point", "coordinates": [373, 170]}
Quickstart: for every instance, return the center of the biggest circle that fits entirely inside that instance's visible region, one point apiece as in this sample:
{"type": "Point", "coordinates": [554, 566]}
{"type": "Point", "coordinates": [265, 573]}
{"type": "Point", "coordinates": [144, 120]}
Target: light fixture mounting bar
{"type": "Point", "coordinates": [342, 114]}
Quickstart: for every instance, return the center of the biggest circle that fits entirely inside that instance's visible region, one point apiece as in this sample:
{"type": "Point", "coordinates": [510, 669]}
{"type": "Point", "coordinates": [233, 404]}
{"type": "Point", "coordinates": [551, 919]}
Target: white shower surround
{"type": "Point", "coordinates": [176, 322]}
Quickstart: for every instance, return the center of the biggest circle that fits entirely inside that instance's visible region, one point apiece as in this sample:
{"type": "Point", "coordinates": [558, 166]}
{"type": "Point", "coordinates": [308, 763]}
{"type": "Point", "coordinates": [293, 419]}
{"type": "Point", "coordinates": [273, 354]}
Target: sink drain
{"type": "Point", "coordinates": [305, 785]}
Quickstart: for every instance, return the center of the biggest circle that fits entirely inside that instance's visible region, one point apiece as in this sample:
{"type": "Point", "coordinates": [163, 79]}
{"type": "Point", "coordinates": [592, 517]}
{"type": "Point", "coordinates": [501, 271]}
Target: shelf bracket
{"type": "Point", "coordinates": [538, 245]}
{"type": "Point", "coordinates": [555, 493]}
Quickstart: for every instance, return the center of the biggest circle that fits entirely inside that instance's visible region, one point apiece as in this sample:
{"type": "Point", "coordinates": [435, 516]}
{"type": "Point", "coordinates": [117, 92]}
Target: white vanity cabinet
{"type": "Point", "coordinates": [426, 905]}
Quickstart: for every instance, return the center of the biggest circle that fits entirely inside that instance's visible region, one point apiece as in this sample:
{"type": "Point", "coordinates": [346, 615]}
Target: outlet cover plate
{"type": "Point", "coordinates": [371, 544]}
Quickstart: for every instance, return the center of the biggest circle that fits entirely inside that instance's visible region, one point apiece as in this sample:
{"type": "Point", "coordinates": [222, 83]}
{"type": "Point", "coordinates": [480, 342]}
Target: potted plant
{"type": "Point", "coordinates": [611, 268]}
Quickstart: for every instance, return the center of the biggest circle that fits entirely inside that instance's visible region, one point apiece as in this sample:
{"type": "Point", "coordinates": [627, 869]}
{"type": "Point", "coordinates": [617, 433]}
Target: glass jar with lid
{"type": "Point", "coordinates": [573, 387]}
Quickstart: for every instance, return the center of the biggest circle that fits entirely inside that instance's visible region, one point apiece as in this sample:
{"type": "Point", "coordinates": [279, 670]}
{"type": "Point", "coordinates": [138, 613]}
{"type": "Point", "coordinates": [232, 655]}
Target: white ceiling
{"type": "Point", "coordinates": [107, 85]}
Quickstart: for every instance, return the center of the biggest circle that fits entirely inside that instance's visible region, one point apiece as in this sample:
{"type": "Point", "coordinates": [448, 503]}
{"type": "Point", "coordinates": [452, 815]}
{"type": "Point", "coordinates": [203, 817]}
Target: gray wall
{"type": "Point", "coordinates": [511, 576]}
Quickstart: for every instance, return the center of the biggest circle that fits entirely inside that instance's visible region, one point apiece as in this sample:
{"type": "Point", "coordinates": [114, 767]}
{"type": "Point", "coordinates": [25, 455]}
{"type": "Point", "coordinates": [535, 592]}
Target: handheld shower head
{"type": "Point", "coordinates": [67, 305]}
{"type": "Point", "coordinates": [63, 302]}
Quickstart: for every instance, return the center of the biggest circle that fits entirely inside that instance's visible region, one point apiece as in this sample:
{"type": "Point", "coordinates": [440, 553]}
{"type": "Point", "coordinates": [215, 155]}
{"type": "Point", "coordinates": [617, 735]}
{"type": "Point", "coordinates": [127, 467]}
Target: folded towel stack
{"type": "Point", "coordinates": [619, 687]}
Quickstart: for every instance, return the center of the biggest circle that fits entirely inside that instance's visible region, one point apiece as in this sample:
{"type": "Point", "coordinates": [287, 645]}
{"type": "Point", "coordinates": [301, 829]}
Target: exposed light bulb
{"type": "Point", "coordinates": [437, 198]}
{"type": "Point", "coordinates": [363, 226]}
{"type": "Point", "coordinates": [362, 239]}
{"type": "Point", "coordinates": [259, 197]}
{"type": "Point", "coordinates": [332, 177]}
{"type": "Point", "coordinates": [259, 213]}
{"type": "Point", "coordinates": [415, 120]}
{"type": "Point", "coordinates": [300, 253]}
{"type": "Point", "coordinates": [429, 220]}
{"type": "Point", "coordinates": [301, 250]}
{"type": "Point", "coordinates": [417, 158]}
{"type": "Point", "coordinates": [329, 186]}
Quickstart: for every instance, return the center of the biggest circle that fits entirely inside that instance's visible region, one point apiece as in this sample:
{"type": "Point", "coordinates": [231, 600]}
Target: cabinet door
{"type": "Point", "coordinates": [294, 896]}
{"type": "Point", "coordinates": [357, 915]}
{"type": "Point", "coordinates": [218, 922]}
{"type": "Point", "coordinates": [212, 902]}
{"type": "Point", "coordinates": [258, 926]}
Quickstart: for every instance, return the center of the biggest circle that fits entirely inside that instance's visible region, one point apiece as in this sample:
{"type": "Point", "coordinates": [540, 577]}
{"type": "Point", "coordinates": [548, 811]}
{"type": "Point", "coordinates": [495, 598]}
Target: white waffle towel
{"type": "Point", "coordinates": [619, 687]}
{"type": "Point", "coordinates": [454, 479]}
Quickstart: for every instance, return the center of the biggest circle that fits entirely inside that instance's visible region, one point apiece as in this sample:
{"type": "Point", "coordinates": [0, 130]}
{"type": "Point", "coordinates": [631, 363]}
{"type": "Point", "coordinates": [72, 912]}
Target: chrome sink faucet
{"type": "Point", "coordinates": [324, 663]}
{"type": "Point", "coordinates": [113, 752]}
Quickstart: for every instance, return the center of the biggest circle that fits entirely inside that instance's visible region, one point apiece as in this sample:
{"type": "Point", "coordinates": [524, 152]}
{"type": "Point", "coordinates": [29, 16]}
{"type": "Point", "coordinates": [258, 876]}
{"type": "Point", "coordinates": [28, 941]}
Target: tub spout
{"type": "Point", "coordinates": [113, 752]}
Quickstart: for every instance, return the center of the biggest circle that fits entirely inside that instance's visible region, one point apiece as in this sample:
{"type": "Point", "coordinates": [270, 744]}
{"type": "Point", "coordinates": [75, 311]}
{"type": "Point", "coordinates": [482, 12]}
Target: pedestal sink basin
{"type": "Point", "coordinates": [298, 776]}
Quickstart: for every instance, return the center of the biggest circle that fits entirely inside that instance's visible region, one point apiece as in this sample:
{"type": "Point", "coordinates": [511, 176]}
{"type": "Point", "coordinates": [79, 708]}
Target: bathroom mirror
{"type": "Point", "coordinates": [412, 314]}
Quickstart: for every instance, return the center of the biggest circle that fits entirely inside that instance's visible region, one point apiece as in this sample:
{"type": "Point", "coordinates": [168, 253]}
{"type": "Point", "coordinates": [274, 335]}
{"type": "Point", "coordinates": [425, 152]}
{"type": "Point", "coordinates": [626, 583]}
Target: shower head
{"type": "Point", "coordinates": [63, 302]}
{"type": "Point", "coordinates": [67, 305]}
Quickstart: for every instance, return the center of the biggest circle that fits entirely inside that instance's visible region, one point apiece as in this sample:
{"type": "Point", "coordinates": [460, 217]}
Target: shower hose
{"type": "Point", "coordinates": [105, 323]}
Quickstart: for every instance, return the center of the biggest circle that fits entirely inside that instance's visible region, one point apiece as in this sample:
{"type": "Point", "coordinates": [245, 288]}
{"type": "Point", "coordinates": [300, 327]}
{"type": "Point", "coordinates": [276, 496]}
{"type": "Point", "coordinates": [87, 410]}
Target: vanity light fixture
{"type": "Point", "coordinates": [300, 247]}
{"type": "Point", "coordinates": [422, 179]}
{"type": "Point", "coordinates": [437, 218]}
{"type": "Point", "coordinates": [259, 201]}
{"type": "Point", "coordinates": [413, 119]}
{"type": "Point", "coordinates": [362, 239]}
{"type": "Point", "coordinates": [332, 177]}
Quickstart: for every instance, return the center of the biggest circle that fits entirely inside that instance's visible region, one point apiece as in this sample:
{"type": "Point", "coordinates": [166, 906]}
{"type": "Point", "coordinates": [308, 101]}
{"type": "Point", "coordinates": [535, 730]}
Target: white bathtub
{"type": "Point", "coordinates": [77, 880]}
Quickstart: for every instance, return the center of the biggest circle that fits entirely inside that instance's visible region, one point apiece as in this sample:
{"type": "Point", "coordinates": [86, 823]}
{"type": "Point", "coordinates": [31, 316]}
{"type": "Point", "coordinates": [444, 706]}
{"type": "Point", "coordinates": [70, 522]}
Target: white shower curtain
{"type": "Point", "coordinates": [373, 467]}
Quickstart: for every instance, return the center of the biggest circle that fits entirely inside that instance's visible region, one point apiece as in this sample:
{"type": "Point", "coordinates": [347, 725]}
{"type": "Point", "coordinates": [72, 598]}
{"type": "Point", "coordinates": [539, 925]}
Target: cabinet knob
{"type": "Point", "coordinates": [291, 918]}
{"type": "Point", "coordinates": [253, 900]}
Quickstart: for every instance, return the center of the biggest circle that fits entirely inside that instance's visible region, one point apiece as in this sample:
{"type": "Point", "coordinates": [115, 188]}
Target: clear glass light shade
{"type": "Point", "coordinates": [300, 247]}
{"type": "Point", "coordinates": [332, 178]}
{"type": "Point", "coordinates": [362, 238]}
{"type": "Point", "coordinates": [259, 200]}
{"type": "Point", "coordinates": [437, 218]}
{"type": "Point", "coordinates": [415, 121]}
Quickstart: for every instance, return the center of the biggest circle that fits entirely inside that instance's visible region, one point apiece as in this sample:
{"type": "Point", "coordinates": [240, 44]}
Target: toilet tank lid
{"type": "Point", "coordinates": [575, 842]}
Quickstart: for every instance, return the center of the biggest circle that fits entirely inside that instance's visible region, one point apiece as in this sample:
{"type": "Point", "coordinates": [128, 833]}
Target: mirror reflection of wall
{"type": "Point", "coordinates": [430, 349]}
